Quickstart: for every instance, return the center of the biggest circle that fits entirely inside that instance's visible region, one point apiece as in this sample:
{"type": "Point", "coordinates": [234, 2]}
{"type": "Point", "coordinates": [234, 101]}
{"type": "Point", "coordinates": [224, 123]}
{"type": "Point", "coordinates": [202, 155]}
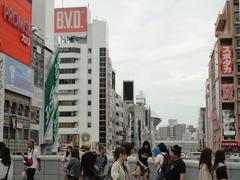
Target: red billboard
{"type": "Point", "coordinates": [226, 60]}
{"type": "Point", "coordinates": [68, 20]}
{"type": "Point", "coordinates": [16, 29]}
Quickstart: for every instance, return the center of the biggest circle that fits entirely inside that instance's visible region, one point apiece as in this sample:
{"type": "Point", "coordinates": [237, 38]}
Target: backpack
{"type": "Point", "coordinates": [166, 159]}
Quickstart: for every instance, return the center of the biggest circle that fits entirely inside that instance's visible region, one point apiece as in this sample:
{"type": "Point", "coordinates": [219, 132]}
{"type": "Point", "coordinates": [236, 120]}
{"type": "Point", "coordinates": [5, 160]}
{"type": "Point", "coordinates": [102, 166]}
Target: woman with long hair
{"type": "Point", "coordinates": [73, 167]}
{"type": "Point", "coordinates": [66, 158]}
{"type": "Point", "coordinates": [142, 161]}
{"type": "Point", "coordinates": [6, 165]}
{"type": "Point", "coordinates": [119, 170]}
{"type": "Point", "coordinates": [162, 161]}
{"type": "Point", "coordinates": [205, 165]}
{"type": "Point", "coordinates": [219, 167]}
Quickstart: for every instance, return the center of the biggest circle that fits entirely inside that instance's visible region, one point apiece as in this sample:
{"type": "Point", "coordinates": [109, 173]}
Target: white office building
{"type": "Point", "coordinates": [83, 84]}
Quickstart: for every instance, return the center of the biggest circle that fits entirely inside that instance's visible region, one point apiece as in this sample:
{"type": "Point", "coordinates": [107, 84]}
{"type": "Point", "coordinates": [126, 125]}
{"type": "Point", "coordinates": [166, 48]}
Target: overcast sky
{"type": "Point", "coordinates": [164, 46]}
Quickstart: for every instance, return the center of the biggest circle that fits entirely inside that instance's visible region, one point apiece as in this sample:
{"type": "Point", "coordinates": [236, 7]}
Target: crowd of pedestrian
{"type": "Point", "coordinates": [85, 164]}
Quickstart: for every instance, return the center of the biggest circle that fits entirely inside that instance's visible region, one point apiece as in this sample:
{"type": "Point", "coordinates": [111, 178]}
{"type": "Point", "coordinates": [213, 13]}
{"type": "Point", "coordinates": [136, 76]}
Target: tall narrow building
{"type": "Point", "coordinates": [84, 77]}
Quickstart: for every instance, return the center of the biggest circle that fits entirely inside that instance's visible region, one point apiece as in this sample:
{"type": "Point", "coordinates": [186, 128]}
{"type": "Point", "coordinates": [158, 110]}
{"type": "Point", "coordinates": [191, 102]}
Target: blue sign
{"type": "Point", "coordinates": [19, 77]}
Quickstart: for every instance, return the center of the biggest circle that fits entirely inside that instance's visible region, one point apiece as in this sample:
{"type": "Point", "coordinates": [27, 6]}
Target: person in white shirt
{"type": "Point", "coordinates": [33, 158]}
{"type": "Point", "coordinates": [6, 165]}
{"type": "Point", "coordinates": [159, 161]}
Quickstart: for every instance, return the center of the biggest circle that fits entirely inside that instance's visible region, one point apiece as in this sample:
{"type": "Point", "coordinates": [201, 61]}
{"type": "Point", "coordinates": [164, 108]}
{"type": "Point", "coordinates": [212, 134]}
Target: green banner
{"type": "Point", "coordinates": [50, 86]}
{"type": "Point", "coordinates": [55, 124]}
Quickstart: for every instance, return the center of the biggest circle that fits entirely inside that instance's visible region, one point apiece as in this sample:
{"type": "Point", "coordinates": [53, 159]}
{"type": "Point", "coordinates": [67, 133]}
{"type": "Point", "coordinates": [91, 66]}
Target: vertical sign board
{"type": "Point", "coordinates": [16, 29]}
{"type": "Point", "coordinates": [50, 108]}
{"type": "Point", "coordinates": [2, 92]}
{"type": "Point", "coordinates": [226, 60]}
{"type": "Point", "coordinates": [55, 123]}
{"type": "Point", "coordinates": [69, 20]}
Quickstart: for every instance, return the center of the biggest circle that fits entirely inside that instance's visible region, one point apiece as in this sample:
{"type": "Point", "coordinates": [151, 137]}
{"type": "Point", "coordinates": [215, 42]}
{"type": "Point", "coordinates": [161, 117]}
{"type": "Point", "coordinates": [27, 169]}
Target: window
{"type": "Point", "coordinates": [67, 114]}
{"type": "Point", "coordinates": [70, 50]}
{"type": "Point", "coordinates": [89, 61]}
{"type": "Point", "coordinates": [238, 67]}
{"type": "Point", "coordinates": [89, 50]}
{"type": "Point", "coordinates": [238, 55]}
{"type": "Point", "coordinates": [89, 113]}
{"type": "Point", "coordinates": [6, 106]}
{"type": "Point", "coordinates": [237, 17]}
{"type": "Point", "coordinates": [89, 81]}
{"type": "Point", "coordinates": [89, 71]}
{"type": "Point", "coordinates": [89, 92]}
{"type": "Point", "coordinates": [89, 124]}
{"type": "Point", "coordinates": [238, 42]}
{"type": "Point", "coordinates": [66, 125]}
{"type": "Point", "coordinates": [27, 111]}
{"type": "Point", "coordinates": [12, 133]}
{"type": "Point", "coordinates": [14, 108]}
{"type": "Point", "coordinates": [20, 110]}
{"type": "Point", "coordinates": [67, 81]}
{"type": "Point", "coordinates": [89, 103]}
{"type": "Point", "coordinates": [67, 92]}
{"type": "Point", "coordinates": [238, 30]}
{"type": "Point", "coordinates": [67, 71]}
{"type": "Point", "coordinates": [25, 134]}
{"type": "Point", "coordinates": [68, 60]}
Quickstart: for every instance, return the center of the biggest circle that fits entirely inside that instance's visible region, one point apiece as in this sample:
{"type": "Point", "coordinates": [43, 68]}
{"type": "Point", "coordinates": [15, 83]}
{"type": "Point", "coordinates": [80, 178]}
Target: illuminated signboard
{"type": "Point", "coordinates": [68, 20]}
{"type": "Point", "coordinates": [16, 29]}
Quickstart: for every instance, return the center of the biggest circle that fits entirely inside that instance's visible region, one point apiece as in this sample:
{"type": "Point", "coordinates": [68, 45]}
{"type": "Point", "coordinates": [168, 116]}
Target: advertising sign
{"type": "Point", "coordinates": [226, 60]}
{"type": "Point", "coordinates": [50, 86]}
{"type": "Point", "coordinates": [229, 123]}
{"type": "Point", "coordinates": [2, 92]}
{"type": "Point", "coordinates": [19, 77]}
{"type": "Point", "coordinates": [227, 91]}
{"type": "Point", "coordinates": [16, 29]}
{"type": "Point", "coordinates": [55, 124]}
{"type": "Point", "coordinates": [68, 20]}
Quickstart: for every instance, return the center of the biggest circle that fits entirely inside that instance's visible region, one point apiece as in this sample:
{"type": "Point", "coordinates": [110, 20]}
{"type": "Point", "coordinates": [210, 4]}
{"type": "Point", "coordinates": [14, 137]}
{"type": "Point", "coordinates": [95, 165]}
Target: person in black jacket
{"type": "Point", "coordinates": [219, 167]}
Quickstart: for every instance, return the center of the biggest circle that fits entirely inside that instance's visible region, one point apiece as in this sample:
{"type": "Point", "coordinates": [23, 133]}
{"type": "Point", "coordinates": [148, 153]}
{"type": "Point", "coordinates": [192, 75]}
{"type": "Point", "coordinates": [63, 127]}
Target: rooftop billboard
{"type": "Point", "coordinates": [69, 20]}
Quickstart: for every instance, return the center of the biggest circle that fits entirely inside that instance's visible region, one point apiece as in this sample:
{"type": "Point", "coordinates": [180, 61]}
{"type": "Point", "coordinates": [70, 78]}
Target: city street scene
{"type": "Point", "coordinates": [119, 90]}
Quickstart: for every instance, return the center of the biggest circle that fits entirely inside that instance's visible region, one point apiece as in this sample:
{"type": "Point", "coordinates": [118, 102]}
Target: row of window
{"type": "Point", "coordinates": [70, 50]}
{"type": "Point", "coordinates": [67, 81]}
{"type": "Point", "coordinates": [16, 109]}
{"type": "Point", "coordinates": [68, 92]}
{"type": "Point", "coordinates": [67, 71]}
{"type": "Point", "coordinates": [67, 103]}
{"type": "Point", "coordinates": [68, 60]}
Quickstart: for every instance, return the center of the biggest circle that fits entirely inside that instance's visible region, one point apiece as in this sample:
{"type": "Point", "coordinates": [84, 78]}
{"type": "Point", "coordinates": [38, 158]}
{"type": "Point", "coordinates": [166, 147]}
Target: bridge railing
{"type": "Point", "coordinates": [52, 168]}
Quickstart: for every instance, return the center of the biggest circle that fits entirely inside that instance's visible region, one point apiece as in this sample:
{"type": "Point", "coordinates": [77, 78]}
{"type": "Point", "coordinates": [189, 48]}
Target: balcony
{"type": "Point", "coordinates": [70, 55]}
{"type": "Point", "coordinates": [69, 76]}
{"type": "Point", "coordinates": [68, 86]}
{"type": "Point", "coordinates": [68, 108]}
{"type": "Point", "coordinates": [68, 119]}
{"type": "Point", "coordinates": [69, 65]}
{"type": "Point", "coordinates": [68, 131]}
{"type": "Point", "coordinates": [68, 97]}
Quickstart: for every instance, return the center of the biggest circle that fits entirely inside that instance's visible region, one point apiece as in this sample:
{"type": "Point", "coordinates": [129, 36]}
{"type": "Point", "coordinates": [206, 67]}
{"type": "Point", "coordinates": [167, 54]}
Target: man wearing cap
{"type": "Point", "coordinates": [176, 169]}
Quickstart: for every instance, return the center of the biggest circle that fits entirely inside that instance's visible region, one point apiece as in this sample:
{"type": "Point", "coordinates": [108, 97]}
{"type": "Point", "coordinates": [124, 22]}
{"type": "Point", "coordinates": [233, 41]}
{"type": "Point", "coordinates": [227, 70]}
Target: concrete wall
{"type": "Point", "coordinates": [52, 169]}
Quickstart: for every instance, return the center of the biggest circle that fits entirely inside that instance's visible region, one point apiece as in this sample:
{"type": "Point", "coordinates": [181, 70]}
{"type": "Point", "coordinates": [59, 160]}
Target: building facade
{"type": "Point", "coordinates": [223, 81]}
{"type": "Point", "coordinates": [85, 81]}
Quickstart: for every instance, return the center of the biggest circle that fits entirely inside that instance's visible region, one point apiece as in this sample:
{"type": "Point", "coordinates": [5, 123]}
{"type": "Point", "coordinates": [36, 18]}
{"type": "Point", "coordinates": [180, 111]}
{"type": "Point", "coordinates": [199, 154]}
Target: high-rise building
{"type": "Point", "coordinates": [179, 130]}
{"type": "Point", "coordinates": [172, 122]}
{"type": "Point", "coordinates": [223, 93]}
{"type": "Point", "coordinates": [85, 78]}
